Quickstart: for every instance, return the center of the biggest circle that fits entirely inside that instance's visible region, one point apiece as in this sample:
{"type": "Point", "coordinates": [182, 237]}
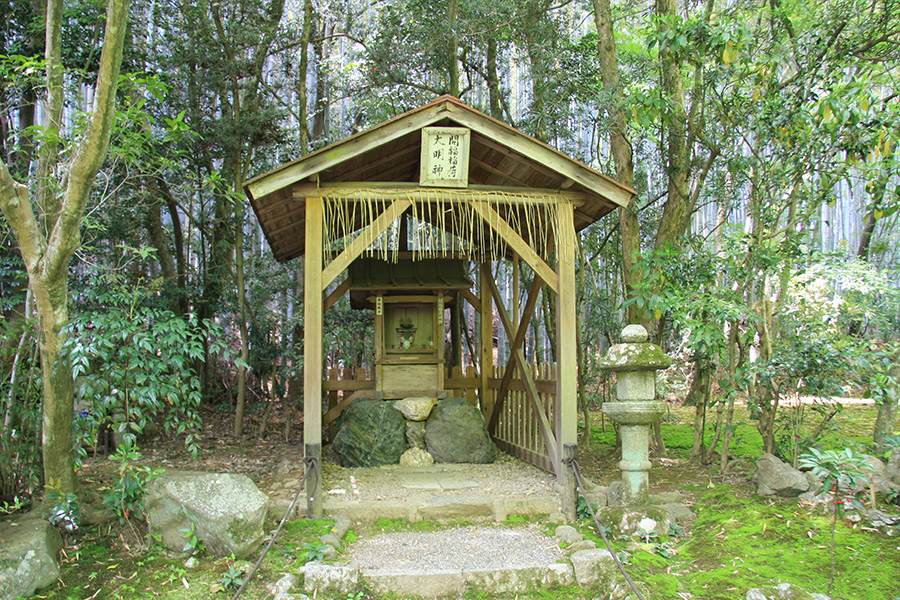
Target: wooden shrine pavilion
{"type": "Point", "coordinates": [477, 190]}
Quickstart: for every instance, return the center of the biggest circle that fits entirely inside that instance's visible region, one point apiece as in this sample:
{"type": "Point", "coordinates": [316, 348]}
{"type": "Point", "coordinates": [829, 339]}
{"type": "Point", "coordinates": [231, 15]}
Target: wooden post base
{"type": "Point", "coordinates": [569, 483]}
{"type": "Point", "coordinates": [314, 484]}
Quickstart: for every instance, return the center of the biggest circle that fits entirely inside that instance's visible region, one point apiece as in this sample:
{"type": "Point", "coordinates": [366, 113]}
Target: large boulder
{"type": "Point", "coordinates": [227, 511]}
{"type": "Point", "coordinates": [892, 470]}
{"type": "Point", "coordinates": [28, 552]}
{"type": "Point", "coordinates": [455, 433]}
{"type": "Point", "coordinates": [370, 433]}
{"type": "Point", "coordinates": [776, 478]}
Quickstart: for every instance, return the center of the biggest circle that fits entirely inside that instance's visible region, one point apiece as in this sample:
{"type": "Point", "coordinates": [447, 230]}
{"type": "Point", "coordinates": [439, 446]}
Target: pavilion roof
{"type": "Point", "coordinates": [501, 158]}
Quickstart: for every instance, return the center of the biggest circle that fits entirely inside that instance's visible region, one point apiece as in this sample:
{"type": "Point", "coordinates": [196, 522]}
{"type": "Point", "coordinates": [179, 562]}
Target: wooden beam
{"type": "Point", "coordinates": [487, 338]}
{"type": "Point", "coordinates": [352, 173]}
{"type": "Point", "coordinates": [515, 241]}
{"type": "Point", "coordinates": [363, 190]}
{"type": "Point", "coordinates": [336, 295]}
{"type": "Point", "coordinates": [530, 389]}
{"type": "Point", "coordinates": [413, 298]}
{"type": "Point", "coordinates": [312, 347]}
{"type": "Point", "coordinates": [471, 299]}
{"type": "Point", "coordinates": [339, 152]}
{"type": "Point", "coordinates": [494, 170]}
{"type": "Point", "coordinates": [563, 166]}
{"type": "Point", "coordinates": [362, 241]}
{"type": "Point", "coordinates": [516, 342]}
{"type": "Point", "coordinates": [566, 409]}
{"type": "Point", "coordinates": [335, 411]}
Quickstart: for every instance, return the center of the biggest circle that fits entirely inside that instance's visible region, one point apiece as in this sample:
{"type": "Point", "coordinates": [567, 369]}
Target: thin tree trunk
{"type": "Point", "coordinates": [453, 49]}
{"type": "Point", "coordinates": [242, 321]}
{"type": "Point", "coordinates": [620, 147]}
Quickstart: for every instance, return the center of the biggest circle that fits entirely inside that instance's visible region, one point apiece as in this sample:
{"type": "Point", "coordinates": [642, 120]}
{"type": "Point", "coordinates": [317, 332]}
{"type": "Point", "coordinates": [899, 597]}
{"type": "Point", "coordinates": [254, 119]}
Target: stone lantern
{"type": "Point", "coordinates": [635, 362]}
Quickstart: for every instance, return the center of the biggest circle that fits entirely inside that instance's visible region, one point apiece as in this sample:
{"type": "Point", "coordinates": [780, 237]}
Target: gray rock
{"type": "Point", "coordinates": [594, 567]}
{"type": "Point", "coordinates": [567, 534]}
{"type": "Point", "coordinates": [558, 575]}
{"type": "Point", "coordinates": [892, 470]}
{"type": "Point", "coordinates": [341, 526]}
{"type": "Point", "coordinates": [776, 478]}
{"type": "Point", "coordinates": [582, 545]}
{"type": "Point", "coordinates": [415, 434]}
{"type": "Point", "coordinates": [815, 484]}
{"type": "Point", "coordinates": [370, 433]}
{"type": "Point", "coordinates": [416, 408]}
{"type": "Point", "coordinates": [669, 498]}
{"type": "Point", "coordinates": [455, 433]}
{"type": "Point", "coordinates": [332, 540]}
{"type": "Point", "coordinates": [629, 520]}
{"type": "Point", "coordinates": [615, 494]}
{"type": "Point", "coordinates": [556, 518]}
{"type": "Point", "coordinates": [323, 579]}
{"type": "Point", "coordinates": [329, 552]}
{"type": "Point", "coordinates": [283, 585]}
{"type": "Point", "coordinates": [27, 557]}
{"type": "Point", "coordinates": [875, 472]}
{"type": "Point", "coordinates": [228, 511]}
{"type": "Point", "coordinates": [783, 591]}
{"type": "Point", "coordinates": [416, 457]}
{"type": "Point", "coordinates": [679, 513]}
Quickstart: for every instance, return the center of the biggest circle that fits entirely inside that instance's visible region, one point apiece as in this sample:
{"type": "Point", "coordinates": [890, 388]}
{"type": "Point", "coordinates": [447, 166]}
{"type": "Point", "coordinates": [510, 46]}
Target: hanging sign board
{"type": "Point", "coordinates": [445, 157]}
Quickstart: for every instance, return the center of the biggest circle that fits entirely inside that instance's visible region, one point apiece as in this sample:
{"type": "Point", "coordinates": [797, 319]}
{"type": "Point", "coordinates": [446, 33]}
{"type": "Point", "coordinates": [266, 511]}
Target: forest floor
{"type": "Point", "coordinates": [739, 541]}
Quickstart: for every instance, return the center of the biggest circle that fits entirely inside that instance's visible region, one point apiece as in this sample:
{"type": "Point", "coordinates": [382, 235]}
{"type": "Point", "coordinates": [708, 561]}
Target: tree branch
{"type": "Point", "coordinates": [91, 150]}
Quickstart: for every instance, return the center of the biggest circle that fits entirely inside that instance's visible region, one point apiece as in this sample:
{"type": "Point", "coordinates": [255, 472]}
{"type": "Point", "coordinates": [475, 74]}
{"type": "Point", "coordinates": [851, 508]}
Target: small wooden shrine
{"type": "Point", "coordinates": [409, 298]}
{"type": "Point", "coordinates": [472, 189]}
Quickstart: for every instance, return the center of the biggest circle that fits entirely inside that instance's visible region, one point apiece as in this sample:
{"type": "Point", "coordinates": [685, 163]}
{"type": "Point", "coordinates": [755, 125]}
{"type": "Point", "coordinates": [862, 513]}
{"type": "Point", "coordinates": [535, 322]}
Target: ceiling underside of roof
{"type": "Point", "coordinates": [282, 212]}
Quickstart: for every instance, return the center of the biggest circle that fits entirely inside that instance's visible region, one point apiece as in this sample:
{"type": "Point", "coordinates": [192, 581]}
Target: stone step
{"type": "Point", "coordinates": [443, 509]}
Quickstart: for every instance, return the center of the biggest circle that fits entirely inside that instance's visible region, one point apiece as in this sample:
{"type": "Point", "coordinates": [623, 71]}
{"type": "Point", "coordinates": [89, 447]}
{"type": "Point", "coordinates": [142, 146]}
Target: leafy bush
{"type": "Point", "coordinates": [132, 362]}
{"type": "Point", "coordinates": [65, 514]}
{"type": "Point", "coordinates": [126, 497]}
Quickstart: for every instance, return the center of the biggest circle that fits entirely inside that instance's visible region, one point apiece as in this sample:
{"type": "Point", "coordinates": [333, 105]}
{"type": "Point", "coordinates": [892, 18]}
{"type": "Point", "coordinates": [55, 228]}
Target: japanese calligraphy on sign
{"type": "Point", "coordinates": [445, 157]}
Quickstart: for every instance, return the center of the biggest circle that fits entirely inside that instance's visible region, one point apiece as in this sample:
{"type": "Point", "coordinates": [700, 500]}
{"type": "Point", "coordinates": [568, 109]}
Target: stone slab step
{"type": "Point", "coordinates": [443, 509]}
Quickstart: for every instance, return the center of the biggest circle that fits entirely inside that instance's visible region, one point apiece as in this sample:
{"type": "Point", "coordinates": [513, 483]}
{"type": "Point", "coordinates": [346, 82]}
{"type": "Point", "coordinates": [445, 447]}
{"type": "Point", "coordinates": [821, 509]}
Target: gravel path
{"type": "Point", "coordinates": [506, 477]}
{"type": "Point", "coordinates": [457, 548]}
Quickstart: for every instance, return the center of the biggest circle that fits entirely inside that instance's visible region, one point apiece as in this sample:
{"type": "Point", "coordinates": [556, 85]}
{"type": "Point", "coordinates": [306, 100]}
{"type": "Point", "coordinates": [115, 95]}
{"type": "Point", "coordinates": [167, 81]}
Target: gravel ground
{"type": "Point", "coordinates": [506, 477]}
{"type": "Point", "coordinates": [457, 548]}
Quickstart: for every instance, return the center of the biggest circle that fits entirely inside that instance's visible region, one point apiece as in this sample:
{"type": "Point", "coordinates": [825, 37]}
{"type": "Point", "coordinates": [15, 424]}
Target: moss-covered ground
{"type": "Point", "coordinates": [739, 540]}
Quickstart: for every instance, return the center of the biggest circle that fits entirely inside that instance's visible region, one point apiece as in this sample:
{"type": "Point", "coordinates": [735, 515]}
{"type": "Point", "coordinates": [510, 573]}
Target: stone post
{"type": "Point", "coordinates": [635, 362]}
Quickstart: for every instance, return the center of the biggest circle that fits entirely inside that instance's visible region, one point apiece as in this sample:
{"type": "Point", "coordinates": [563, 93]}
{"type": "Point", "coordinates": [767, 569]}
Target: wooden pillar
{"type": "Point", "coordinates": [487, 340]}
{"type": "Point", "coordinates": [566, 412]}
{"type": "Point", "coordinates": [312, 351]}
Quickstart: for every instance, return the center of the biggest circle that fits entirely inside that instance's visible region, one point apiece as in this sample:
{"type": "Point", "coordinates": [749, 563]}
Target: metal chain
{"type": "Point", "coordinates": [310, 465]}
{"type": "Point", "coordinates": [573, 462]}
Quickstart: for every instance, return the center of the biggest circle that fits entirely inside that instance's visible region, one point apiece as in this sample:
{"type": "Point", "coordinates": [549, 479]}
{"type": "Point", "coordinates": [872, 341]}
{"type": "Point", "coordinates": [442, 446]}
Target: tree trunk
{"type": "Point", "coordinates": [452, 49]}
{"type": "Point", "coordinates": [494, 93]}
{"type": "Point", "coordinates": [242, 321]}
{"type": "Point", "coordinates": [620, 147]}
{"type": "Point", "coordinates": [48, 239]}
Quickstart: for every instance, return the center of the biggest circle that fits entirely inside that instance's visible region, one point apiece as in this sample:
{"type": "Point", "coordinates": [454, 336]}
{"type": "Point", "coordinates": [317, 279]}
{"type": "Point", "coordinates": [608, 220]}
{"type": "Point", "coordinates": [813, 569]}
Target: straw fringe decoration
{"type": "Point", "coordinates": [442, 223]}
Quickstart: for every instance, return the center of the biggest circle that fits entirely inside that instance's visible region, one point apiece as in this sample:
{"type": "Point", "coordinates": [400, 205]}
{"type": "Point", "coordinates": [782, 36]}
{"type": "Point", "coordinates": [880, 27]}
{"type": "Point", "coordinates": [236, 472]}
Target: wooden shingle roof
{"type": "Point", "coordinates": [501, 158]}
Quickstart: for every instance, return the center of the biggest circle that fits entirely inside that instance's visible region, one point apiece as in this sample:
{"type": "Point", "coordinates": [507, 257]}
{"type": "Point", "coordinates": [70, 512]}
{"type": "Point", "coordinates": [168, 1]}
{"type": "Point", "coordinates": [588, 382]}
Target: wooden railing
{"type": "Point", "coordinates": [518, 430]}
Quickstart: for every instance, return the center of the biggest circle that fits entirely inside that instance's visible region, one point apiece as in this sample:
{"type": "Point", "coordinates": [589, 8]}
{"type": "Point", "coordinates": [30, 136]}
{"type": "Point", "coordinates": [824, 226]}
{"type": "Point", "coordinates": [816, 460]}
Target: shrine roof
{"type": "Point", "coordinates": [502, 159]}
